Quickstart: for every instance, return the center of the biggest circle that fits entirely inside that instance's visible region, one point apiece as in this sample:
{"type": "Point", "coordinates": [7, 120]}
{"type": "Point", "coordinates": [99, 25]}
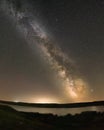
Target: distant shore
{"type": "Point", "coordinates": [55, 105]}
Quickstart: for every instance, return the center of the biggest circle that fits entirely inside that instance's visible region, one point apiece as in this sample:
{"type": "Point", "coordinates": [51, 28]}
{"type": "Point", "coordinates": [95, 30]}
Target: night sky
{"type": "Point", "coordinates": [51, 50]}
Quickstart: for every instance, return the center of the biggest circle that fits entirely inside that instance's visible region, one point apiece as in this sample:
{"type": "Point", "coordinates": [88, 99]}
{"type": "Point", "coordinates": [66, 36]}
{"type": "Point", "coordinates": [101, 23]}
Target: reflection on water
{"type": "Point", "coordinates": [58, 111]}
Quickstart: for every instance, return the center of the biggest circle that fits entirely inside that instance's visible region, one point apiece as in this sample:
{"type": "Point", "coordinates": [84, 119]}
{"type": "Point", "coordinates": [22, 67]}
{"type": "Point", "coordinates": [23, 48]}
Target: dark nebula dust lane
{"type": "Point", "coordinates": [50, 51]}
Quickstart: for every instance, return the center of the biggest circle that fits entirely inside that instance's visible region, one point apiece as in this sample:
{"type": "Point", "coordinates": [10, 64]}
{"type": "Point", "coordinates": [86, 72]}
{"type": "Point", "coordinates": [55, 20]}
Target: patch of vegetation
{"type": "Point", "coordinates": [11, 119]}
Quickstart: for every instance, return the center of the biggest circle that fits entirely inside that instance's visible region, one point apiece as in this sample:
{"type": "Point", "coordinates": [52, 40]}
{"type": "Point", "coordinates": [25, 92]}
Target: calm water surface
{"type": "Point", "coordinates": [58, 111]}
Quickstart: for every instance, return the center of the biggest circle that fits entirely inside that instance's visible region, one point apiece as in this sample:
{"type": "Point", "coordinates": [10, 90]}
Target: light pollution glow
{"type": "Point", "coordinates": [41, 100]}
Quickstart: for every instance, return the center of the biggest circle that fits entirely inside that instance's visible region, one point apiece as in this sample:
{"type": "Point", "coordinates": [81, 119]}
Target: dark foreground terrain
{"type": "Point", "coordinates": [11, 119]}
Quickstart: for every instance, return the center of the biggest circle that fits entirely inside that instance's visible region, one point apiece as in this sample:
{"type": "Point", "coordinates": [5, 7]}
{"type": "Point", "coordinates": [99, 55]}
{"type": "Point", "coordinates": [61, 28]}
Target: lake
{"type": "Point", "coordinates": [58, 111]}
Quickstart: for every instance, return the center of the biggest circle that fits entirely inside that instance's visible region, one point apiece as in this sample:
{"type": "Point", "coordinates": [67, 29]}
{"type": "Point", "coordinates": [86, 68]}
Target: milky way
{"type": "Point", "coordinates": [72, 85]}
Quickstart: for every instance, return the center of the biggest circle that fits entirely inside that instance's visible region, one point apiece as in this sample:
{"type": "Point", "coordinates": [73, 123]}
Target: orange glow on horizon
{"type": "Point", "coordinates": [44, 100]}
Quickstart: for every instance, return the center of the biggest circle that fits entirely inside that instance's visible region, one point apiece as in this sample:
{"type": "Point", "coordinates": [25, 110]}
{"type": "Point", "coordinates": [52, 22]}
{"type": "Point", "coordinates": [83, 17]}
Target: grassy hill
{"type": "Point", "coordinates": [11, 119]}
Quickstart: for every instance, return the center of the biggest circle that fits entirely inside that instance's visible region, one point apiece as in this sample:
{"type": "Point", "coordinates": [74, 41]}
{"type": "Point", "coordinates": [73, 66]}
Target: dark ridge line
{"type": "Point", "coordinates": [55, 105]}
